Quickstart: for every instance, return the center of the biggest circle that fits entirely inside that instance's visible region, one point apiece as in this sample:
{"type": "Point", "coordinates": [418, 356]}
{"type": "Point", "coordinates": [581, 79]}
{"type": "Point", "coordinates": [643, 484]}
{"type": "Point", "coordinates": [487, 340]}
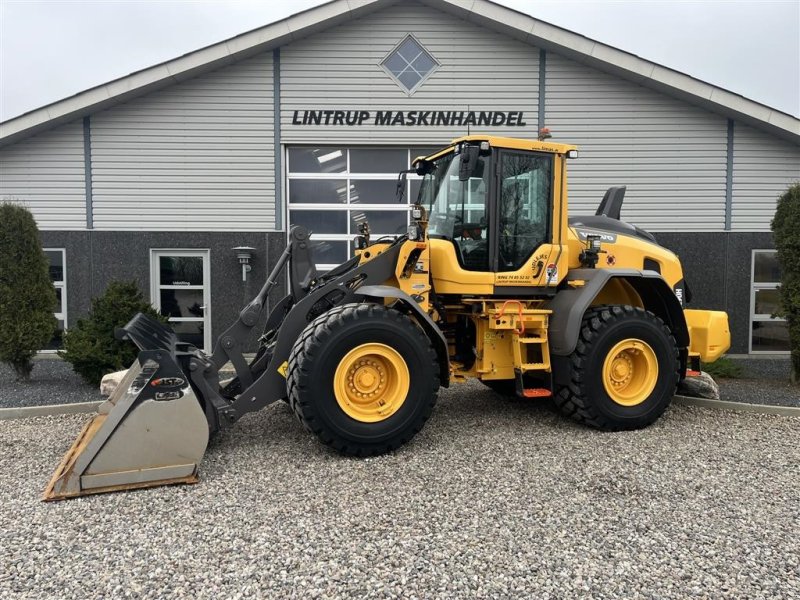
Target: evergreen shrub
{"type": "Point", "coordinates": [91, 345]}
{"type": "Point", "coordinates": [27, 295]}
{"type": "Point", "coordinates": [786, 229]}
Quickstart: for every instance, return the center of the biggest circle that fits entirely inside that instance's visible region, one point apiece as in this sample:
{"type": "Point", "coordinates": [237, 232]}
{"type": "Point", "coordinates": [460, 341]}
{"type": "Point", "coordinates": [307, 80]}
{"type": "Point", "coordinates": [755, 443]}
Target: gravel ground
{"type": "Point", "coordinates": [759, 391]}
{"type": "Point", "coordinates": [52, 382]}
{"type": "Point", "coordinates": [772, 367]}
{"type": "Point", "coordinates": [494, 499]}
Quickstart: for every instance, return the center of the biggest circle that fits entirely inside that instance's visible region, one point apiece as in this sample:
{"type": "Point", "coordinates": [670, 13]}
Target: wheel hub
{"type": "Point", "coordinates": [621, 369]}
{"type": "Point", "coordinates": [367, 377]}
{"type": "Point", "coordinates": [371, 382]}
{"type": "Point", "coordinates": [630, 372]}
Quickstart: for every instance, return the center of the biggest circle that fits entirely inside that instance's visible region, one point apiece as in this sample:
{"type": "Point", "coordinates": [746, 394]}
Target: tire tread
{"type": "Point", "coordinates": [299, 375]}
{"type": "Point", "coordinates": [571, 399]}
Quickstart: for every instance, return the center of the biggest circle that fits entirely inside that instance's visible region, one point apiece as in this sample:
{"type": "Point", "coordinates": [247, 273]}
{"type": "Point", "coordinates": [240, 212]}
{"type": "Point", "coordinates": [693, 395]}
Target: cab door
{"type": "Point", "coordinates": [460, 233]}
{"type": "Point", "coordinates": [522, 250]}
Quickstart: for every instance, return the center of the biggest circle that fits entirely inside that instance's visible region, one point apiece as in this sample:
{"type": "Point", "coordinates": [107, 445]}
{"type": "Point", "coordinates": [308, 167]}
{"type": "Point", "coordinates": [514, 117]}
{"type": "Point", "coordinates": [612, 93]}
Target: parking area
{"type": "Point", "coordinates": [495, 498]}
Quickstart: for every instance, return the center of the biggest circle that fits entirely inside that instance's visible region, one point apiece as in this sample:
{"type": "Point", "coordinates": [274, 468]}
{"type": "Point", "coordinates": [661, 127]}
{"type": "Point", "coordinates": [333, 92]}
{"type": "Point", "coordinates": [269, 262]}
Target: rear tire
{"type": "Point", "coordinates": [336, 352]}
{"type": "Point", "coordinates": [624, 370]}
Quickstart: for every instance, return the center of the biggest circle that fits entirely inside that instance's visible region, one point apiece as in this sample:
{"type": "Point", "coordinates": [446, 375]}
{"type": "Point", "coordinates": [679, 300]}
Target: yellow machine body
{"type": "Point", "coordinates": [498, 348]}
{"type": "Point", "coordinates": [708, 330]}
{"type": "Point", "coordinates": [492, 281]}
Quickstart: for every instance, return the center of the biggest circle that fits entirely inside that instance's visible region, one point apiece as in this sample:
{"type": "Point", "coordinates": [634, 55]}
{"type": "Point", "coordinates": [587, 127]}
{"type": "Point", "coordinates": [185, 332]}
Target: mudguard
{"type": "Point", "coordinates": [570, 304]}
{"type": "Point", "coordinates": [431, 329]}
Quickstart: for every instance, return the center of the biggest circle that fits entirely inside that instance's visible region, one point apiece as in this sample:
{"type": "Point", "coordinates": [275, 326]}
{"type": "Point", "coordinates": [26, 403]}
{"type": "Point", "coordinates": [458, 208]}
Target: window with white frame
{"type": "Point", "coordinates": [58, 275]}
{"type": "Point", "coordinates": [409, 64]}
{"type": "Point", "coordinates": [180, 290]}
{"type": "Point", "coordinates": [768, 333]}
{"type": "Point", "coordinates": [332, 189]}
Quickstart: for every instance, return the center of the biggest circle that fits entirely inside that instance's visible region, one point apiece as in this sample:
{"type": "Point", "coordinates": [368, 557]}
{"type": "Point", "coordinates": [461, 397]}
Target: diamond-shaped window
{"type": "Point", "coordinates": [409, 64]}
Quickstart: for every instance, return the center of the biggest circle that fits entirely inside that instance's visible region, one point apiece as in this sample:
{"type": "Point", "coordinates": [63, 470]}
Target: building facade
{"type": "Point", "coordinates": [159, 175]}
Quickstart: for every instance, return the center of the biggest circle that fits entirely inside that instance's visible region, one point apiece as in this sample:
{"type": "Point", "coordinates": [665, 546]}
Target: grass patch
{"type": "Point", "coordinates": [723, 367]}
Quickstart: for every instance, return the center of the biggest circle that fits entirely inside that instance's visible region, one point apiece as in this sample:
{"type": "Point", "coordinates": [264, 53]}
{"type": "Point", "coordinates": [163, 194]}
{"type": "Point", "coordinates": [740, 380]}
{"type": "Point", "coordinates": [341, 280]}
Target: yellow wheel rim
{"type": "Point", "coordinates": [630, 372]}
{"type": "Point", "coordinates": [371, 382]}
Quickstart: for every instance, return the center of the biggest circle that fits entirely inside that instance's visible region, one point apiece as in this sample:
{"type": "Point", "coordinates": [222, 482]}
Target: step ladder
{"type": "Point", "coordinates": [521, 344]}
{"type": "Point", "coordinates": [529, 336]}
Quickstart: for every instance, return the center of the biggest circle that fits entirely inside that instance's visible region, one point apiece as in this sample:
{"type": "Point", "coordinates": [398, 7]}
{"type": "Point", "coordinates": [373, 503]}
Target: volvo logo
{"type": "Point", "coordinates": [608, 238]}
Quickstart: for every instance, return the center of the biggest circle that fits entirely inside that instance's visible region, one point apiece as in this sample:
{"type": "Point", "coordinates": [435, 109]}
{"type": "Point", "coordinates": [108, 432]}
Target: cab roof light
{"type": "Point", "coordinates": [572, 154]}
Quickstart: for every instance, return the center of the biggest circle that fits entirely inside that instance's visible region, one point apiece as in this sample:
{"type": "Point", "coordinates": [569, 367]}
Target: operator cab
{"type": "Point", "coordinates": [493, 205]}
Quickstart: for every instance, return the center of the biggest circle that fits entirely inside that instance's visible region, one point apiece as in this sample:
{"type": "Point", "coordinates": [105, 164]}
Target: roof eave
{"type": "Point", "coordinates": [185, 67]}
{"type": "Point", "coordinates": [624, 64]}
{"type": "Point", "coordinates": [482, 12]}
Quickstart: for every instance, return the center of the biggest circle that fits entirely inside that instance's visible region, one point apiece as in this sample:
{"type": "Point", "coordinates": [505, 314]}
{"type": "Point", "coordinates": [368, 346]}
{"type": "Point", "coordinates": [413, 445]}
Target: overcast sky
{"type": "Point", "coordinates": [52, 49]}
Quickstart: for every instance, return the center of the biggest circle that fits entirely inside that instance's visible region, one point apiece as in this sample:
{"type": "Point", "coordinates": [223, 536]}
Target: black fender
{"type": "Point", "coordinates": [424, 319]}
{"type": "Point", "coordinates": [570, 304]}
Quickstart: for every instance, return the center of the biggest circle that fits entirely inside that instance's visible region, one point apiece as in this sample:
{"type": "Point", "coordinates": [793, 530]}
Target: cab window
{"type": "Point", "coordinates": [524, 206]}
{"type": "Point", "coordinates": [459, 210]}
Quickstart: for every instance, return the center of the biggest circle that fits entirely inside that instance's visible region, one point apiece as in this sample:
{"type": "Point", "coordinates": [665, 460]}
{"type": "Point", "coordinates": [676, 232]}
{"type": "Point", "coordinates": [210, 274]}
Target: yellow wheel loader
{"type": "Point", "coordinates": [491, 281]}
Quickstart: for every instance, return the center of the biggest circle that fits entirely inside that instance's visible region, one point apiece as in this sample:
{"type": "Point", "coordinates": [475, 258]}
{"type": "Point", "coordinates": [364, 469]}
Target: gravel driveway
{"type": "Point", "coordinates": [52, 382]}
{"type": "Point", "coordinates": [494, 499]}
{"type": "Point", "coordinates": [759, 391]}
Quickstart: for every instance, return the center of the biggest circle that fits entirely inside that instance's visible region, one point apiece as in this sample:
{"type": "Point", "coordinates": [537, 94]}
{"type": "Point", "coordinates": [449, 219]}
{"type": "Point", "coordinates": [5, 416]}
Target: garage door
{"type": "Point", "coordinates": [332, 189]}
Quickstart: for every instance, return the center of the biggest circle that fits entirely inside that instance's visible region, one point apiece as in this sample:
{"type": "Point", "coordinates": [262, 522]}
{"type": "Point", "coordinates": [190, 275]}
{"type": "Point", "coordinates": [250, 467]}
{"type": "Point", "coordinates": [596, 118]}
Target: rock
{"type": "Point", "coordinates": [110, 382]}
{"type": "Point", "coordinates": [700, 386]}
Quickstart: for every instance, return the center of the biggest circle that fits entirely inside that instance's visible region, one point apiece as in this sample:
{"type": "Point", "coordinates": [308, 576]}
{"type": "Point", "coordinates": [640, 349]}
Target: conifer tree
{"type": "Point", "coordinates": [27, 295]}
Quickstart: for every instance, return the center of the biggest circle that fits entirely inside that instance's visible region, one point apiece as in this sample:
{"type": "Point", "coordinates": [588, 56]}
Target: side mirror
{"type": "Point", "coordinates": [423, 167]}
{"type": "Point", "coordinates": [401, 184]}
{"type": "Point", "coordinates": [469, 160]}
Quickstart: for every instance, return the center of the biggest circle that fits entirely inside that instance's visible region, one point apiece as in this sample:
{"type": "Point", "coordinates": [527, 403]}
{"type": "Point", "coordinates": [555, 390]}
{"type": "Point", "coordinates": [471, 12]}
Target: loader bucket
{"type": "Point", "coordinates": [151, 431]}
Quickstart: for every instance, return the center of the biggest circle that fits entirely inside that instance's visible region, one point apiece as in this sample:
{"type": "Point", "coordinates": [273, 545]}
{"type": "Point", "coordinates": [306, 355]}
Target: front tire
{"type": "Point", "coordinates": [624, 370]}
{"type": "Point", "coordinates": [363, 378]}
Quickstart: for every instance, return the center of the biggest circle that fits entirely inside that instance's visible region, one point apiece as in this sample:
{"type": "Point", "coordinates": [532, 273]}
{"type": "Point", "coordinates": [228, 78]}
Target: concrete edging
{"type": "Point", "coordinates": [764, 409]}
{"type": "Point", "coordinates": [24, 412]}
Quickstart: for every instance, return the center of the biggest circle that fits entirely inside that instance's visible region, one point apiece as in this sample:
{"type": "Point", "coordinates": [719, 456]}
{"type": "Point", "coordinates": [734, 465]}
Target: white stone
{"type": "Point", "coordinates": [110, 382]}
{"type": "Point", "coordinates": [699, 386]}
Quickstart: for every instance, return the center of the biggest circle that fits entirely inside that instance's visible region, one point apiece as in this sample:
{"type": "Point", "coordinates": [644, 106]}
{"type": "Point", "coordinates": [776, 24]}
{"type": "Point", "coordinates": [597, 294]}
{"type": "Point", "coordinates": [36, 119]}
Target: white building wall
{"type": "Point", "coordinates": [763, 167]}
{"type": "Point", "coordinates": [199, 155]}
{"type": "Point", "coordinates": [670, 154]}
{"type": "Point", "coordinates": [196, 156]}
{"type": "Point", "coordinates": [46, 173]}
{"type": "Point", "coordinates": [339, 69]}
